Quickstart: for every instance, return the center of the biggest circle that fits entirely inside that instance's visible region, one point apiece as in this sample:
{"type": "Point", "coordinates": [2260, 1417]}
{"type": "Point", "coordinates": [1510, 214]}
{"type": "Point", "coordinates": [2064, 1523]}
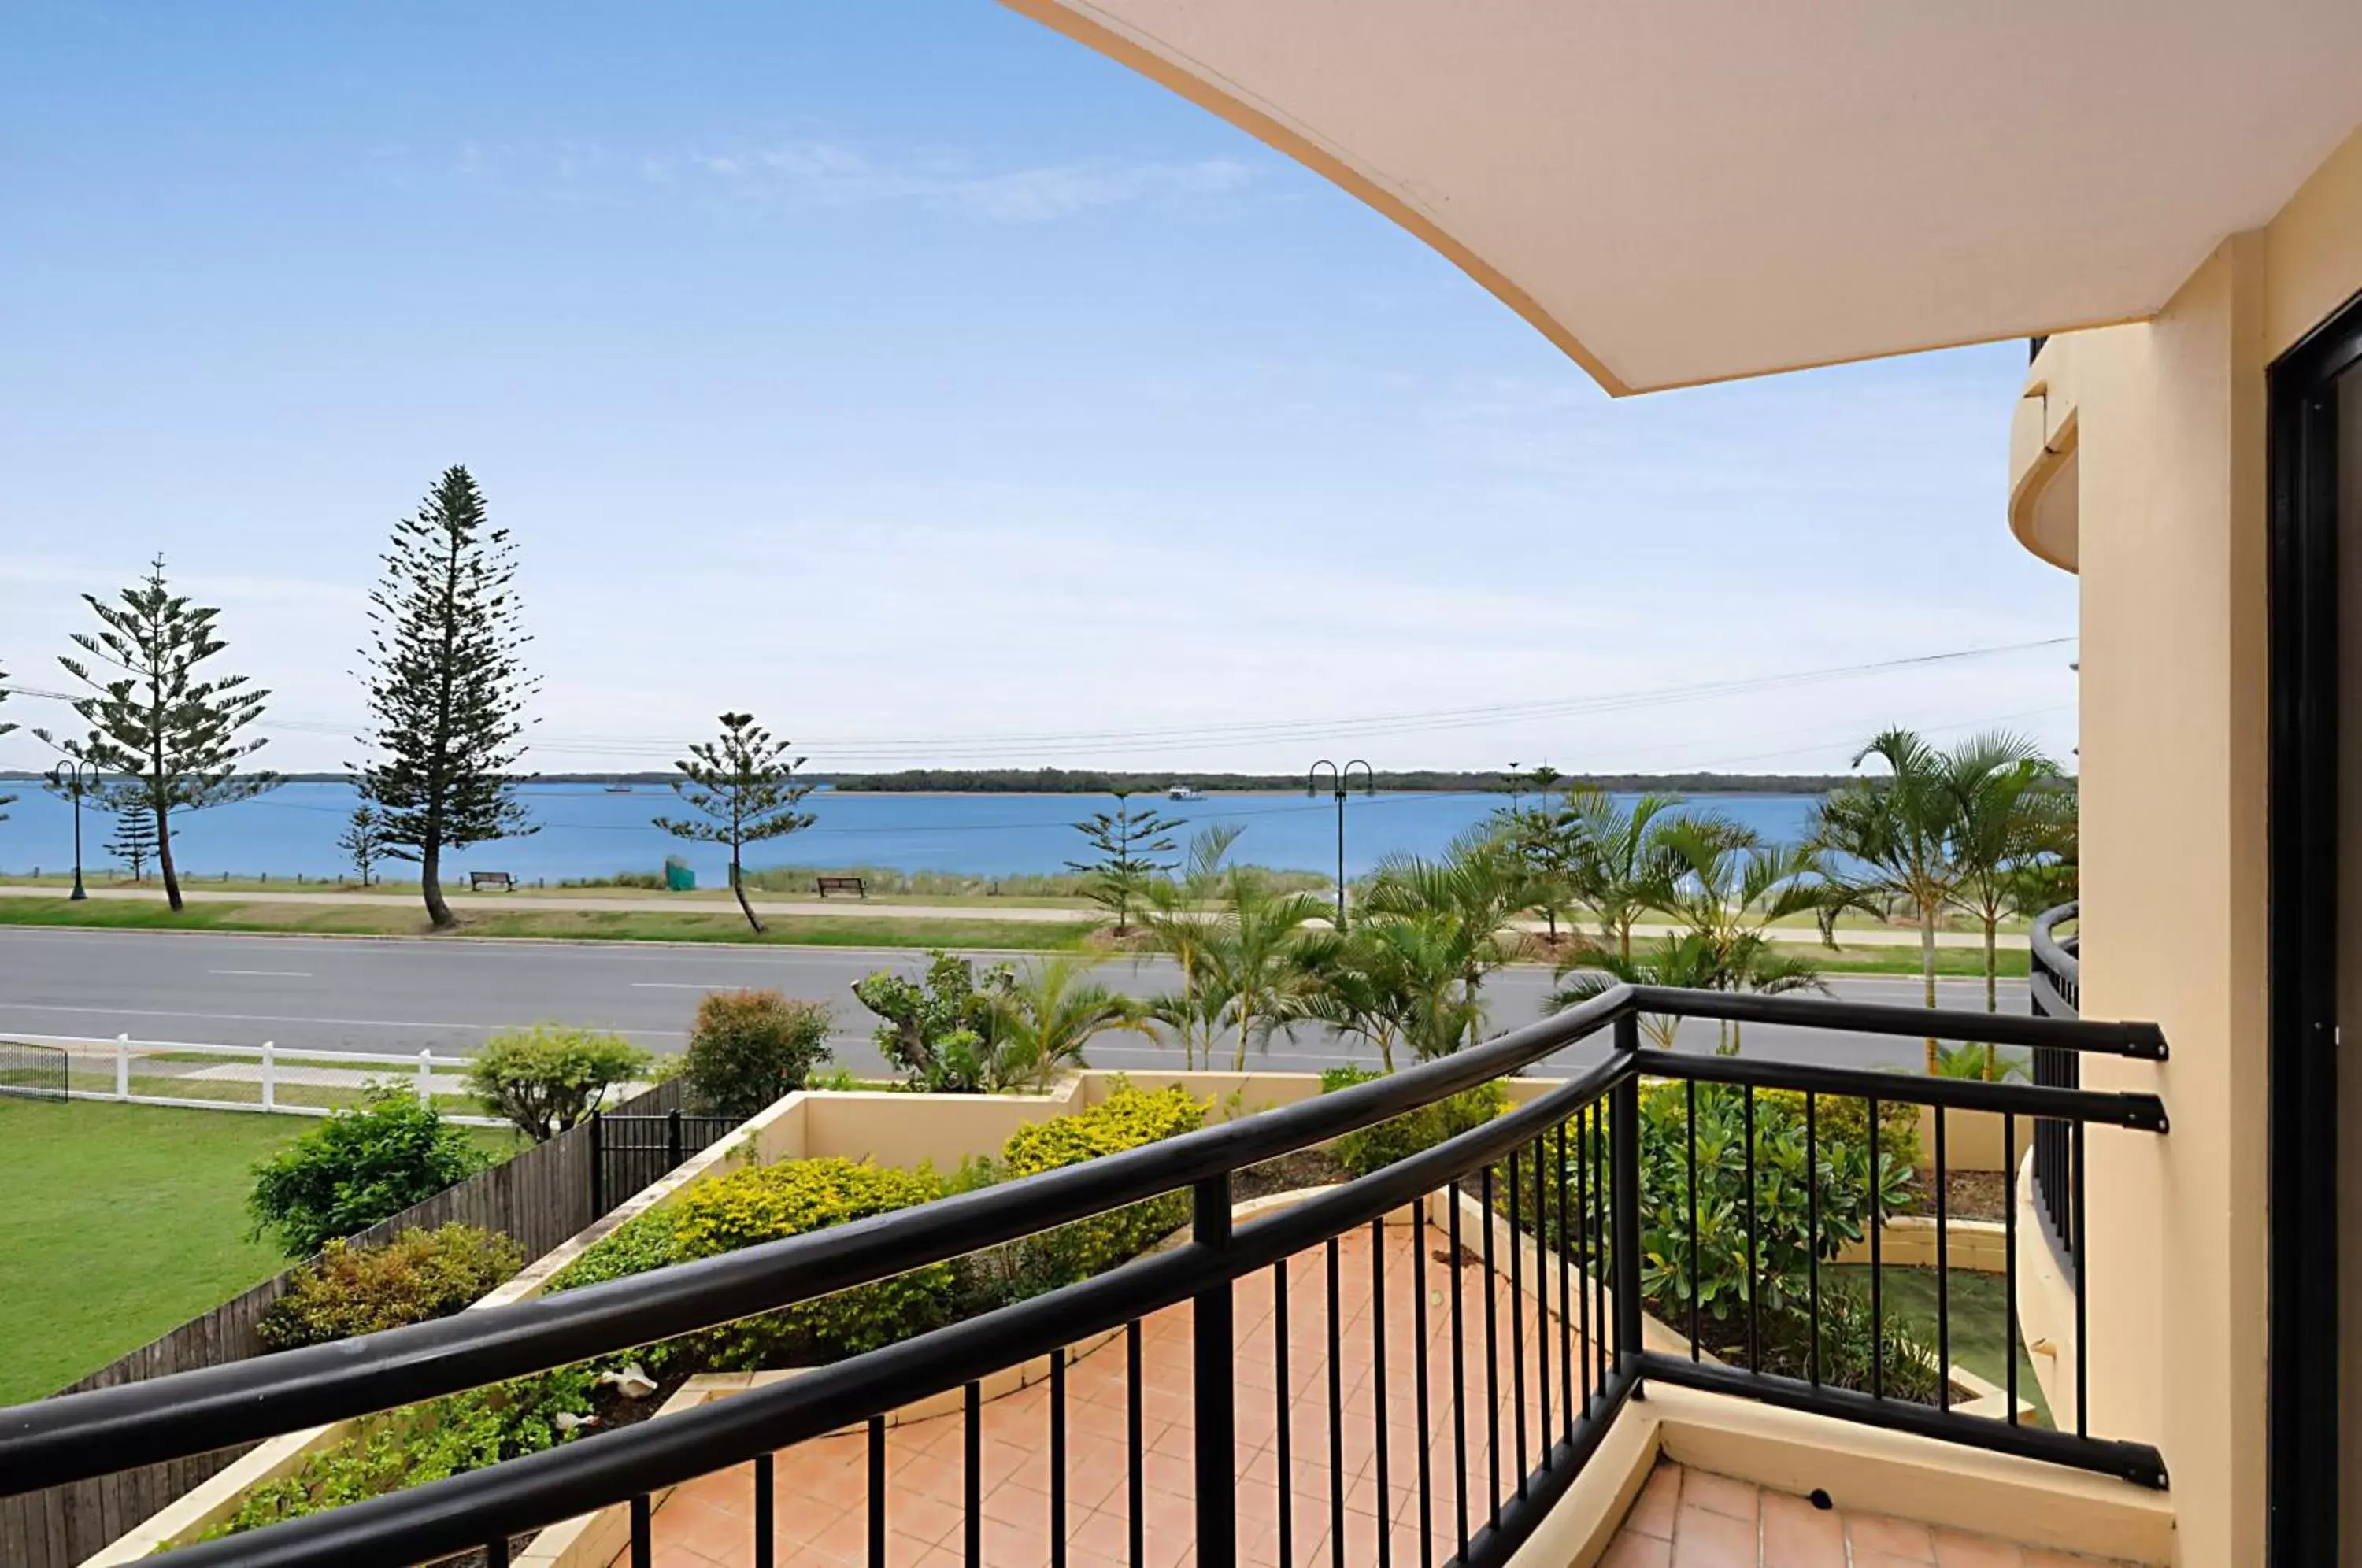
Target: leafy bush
{"type": "Point", "coordinates": [749, 1048]}
{"type": "Point", "coordinates": [548, 1077]}
{"type": "Point", "coordinates": [421, 1443]}
{"type": "Point", "coordinates": [1847, 1119]}
{"type": "Point", "coordinates": [769, 1203]}
{"type": "Point", "coordinates": [1128, 1119]}
{"type": "Point", "coordinates": [939, 1033]}
{"type": "Point", "coordinates": [1374, 1148]}
{"type": "Point", "coordinates": [417, 1275]}
{"type": "Point", "coordinates": [358, 1168]}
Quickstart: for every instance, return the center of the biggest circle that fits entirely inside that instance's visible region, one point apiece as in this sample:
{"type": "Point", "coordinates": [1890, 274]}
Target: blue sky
{"type": "Point", "coordinates": [931, 386]}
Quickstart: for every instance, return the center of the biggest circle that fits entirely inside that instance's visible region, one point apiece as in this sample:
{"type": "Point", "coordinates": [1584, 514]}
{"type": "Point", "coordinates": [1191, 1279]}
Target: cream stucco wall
{"type": "Point", "coordinates": [2171, 544]}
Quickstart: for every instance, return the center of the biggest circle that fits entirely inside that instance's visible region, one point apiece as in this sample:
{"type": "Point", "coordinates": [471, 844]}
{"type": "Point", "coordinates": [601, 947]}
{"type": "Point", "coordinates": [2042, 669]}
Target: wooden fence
{"type": "Point", "coordinates": [540, 1197]}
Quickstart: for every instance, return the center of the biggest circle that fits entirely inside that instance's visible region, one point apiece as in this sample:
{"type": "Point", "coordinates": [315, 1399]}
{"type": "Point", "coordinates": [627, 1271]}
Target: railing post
{"type": "Point", "coordinates": [597, 1168]}
{"type": "Point", "coordinates": [1623, 1152]}
{"type": "Point", "coordinates": [270, 1080]}
{"type": "Point", "coordinates": [122, 1068]}
{"type": "Point", "coordinates": [426, 1078]}
{"type": "Point", "coordinates": [673, 1154]}
{"type": "Point", "coordinates": [1214, 1355]}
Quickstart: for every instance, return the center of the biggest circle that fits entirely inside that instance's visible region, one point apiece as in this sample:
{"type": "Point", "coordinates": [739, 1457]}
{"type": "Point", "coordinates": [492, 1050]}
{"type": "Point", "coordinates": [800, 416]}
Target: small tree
{"type": "Point", "coordinates": [171, 735]}
{"type": "Point", "coordinates": [133, 840]}
{"type": "Point", "coordinates": [548, 1077]}
{"type": "Point", "coordinates": [1052, 1011]}
{"type": "Point", "coordinates": [363, 841]}
{"type": "Point", "coordinates": [745, 785]}
{"type": "Point", "coordinates": [357, 1168]}
{"type": "Point", "coordinates": [749, 1048]}
{"type": "Point", "coordinates": [940, 1034]}
{"type": "Point", "coordinates": [447, 686]}
{"type": "Point", "coordinates": [1128, 842]}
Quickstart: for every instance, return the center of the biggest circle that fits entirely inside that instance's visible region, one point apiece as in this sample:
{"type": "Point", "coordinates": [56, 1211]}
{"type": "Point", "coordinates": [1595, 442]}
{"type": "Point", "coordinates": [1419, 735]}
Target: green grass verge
{"type": "Point", "coordinates": [123, 1222]}
{"type": "Point", "coordinates": [1950, 962]}
{"type": "Point", "coordinates": [1979, 1317]}
{"type": "Point", "coordinates": [722, 925]}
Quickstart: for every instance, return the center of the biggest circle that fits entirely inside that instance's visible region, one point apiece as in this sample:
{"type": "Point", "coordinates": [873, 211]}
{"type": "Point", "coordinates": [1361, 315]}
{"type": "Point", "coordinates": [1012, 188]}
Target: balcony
{"type": "Point", "coordinates": [1478, 1343]}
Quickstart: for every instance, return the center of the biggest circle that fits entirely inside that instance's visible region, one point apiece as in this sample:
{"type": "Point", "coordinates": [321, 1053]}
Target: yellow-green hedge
{"type": "Point", "coordinates": [1127, 1118]}
{"type": "Point", "coordinates": [769, 1203]}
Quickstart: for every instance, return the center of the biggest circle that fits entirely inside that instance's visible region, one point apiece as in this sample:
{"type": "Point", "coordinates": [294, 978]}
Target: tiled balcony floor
{"type": "Point", "coordinates": [1692, 1518]}
{"type": "Point", "coordinates": [821, 1512]}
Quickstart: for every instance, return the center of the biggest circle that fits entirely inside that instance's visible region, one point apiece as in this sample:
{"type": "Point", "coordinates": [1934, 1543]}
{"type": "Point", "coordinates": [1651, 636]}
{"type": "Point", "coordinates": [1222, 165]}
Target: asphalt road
{"type": "Point", "coordinates": [406, 995]}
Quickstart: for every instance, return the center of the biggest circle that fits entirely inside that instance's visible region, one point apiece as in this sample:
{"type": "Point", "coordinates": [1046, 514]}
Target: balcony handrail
{"type": "Point", "coordinates": [75, 1436]}
{"type": "Point", "coordinates": [82, 1435]}
{"type": "Point", "coordinates": [2047, 948]}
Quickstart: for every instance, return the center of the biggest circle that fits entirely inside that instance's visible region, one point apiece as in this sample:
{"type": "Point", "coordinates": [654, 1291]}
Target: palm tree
{"type": "Point", "coordinates": [1044, 1017]}
{"type": "Point", "coordinates": [1253, 950]}
{"type": "Point", "coordinates": [1684, 962]}
{"type": "Point", "coordinates": [1899, 835]}
{"type": "Point", "coordinates": [1180, 926]}
{"type": "Point", "coordinates": [1466, 904]}
{"type": "Point", "coordinates": [1394, 980]}
{"type": "Point", "coordinates": [1621, 870]}
{"type": "Point", "coordinates": [2009, 817]}
{"type": "Point", "coordinates": [1726, 886]}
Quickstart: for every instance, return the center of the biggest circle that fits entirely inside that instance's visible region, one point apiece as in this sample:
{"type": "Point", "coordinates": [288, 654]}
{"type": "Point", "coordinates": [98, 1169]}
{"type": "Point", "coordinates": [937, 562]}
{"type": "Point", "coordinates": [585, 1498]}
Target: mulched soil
{"type": "Point", "coordinates": [1305, 1168]}
{"type": "Point", "coordinates": [1976, 1195]}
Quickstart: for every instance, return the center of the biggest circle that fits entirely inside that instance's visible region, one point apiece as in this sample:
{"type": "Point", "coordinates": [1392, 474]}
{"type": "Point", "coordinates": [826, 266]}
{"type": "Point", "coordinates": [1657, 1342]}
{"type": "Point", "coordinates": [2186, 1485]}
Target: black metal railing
{"type": "Point", "coordinates": [2058, 1184]}
{"type": "Point", "coordinates": [1519, 1310]}
{"type": "Point", "coordinates": [629, 1152]}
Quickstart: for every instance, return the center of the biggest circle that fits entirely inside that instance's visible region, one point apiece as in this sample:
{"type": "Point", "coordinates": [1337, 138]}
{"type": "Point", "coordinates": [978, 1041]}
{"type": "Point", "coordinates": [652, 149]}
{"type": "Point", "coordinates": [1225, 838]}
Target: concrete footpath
{"type": "Point", "coordinates": [855, 908]}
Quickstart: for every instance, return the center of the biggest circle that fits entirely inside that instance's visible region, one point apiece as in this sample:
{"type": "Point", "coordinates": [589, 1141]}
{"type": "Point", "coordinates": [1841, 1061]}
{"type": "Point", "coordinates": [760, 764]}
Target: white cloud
{"type": "Point", "coordinates": [832, 173]}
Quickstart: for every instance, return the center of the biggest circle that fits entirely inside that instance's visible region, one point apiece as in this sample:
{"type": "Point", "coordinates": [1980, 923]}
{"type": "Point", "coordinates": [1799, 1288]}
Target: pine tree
{"type": "Point", "coordinates": [744, 787]}
{"type": "Point", "coordinates": [447, 686]}
{"type": "Point", "coordinates": [1128, 842]}
{"type": "Point", "coordinates": [171, 737]}
{"type": "Point", "coordinates": [363, 840]}
{"type": "Point", "coordinates": [133, 841]}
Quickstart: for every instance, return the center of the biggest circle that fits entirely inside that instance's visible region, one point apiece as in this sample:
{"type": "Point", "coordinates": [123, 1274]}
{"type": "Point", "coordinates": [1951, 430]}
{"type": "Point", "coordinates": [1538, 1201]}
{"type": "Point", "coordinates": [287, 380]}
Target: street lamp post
{"type": "Point", "coordinates": [1341, 780]}
{"type": "Point", "coordinates": [71, 778]}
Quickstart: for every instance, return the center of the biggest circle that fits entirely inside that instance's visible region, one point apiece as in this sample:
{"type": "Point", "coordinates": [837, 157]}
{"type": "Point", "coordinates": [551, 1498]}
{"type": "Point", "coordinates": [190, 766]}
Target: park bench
{"type": "Point", "coordinates": [824, 885]}
{"type": "Point", "coordinates": [498, 881]}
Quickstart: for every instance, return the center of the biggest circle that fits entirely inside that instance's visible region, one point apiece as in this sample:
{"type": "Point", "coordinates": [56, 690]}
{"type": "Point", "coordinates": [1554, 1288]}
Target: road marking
{"type": "Point", "coordinates": [282, 974]}
{"type": "Point", "coordinates": [282, 1018]}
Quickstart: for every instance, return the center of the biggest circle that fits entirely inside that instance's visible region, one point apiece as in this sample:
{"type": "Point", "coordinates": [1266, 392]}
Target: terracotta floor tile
{"type": "Point", "coordinates": [1719, 1494]}
{"type": "Point", "coordinates": [1630, 1550]}
{"type": "Point", "coordinates": [1798, 1535]}
{"type": "Point", "coordinates": [1702, 1539]}
{"type": "Point", "coordinates": [1652, 1512]}
{"type": "Point", "coordinates": [1902, 1538]}
{"type": "Point", "coordinates": [1954, 1549]}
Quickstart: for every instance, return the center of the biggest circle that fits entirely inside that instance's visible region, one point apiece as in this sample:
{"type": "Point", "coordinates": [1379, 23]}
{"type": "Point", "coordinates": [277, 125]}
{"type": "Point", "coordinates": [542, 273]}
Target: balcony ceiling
{"type": "Point", "coordinates": [1689, 191]}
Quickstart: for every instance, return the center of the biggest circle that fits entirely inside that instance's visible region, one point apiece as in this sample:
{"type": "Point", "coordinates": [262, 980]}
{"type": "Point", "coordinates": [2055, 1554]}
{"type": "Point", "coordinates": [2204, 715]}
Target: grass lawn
{"type": "Point", "coordinates": [1980, 1320]}
{"type": "Point", "coordinates": [123, 1222]}
{"type": "Point", "coordinates": [722, 924]}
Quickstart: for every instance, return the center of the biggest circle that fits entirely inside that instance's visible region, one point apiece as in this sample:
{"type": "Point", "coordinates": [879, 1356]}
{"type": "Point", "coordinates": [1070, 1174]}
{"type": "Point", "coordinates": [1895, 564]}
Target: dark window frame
{"type": "Point", "coordinates": [2301, 933]}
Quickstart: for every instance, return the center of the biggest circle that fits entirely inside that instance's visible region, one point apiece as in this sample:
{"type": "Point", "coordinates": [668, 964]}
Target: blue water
{"type": "Point", "coordinates": [587, 832]}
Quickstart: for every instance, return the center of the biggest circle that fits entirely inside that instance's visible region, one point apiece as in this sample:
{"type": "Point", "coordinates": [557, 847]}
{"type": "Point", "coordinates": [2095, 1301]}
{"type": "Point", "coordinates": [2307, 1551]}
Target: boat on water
{"type": "Point", "coordinates": [619, 789]}
{"type": "Point", "coordinates": [1183, 792]}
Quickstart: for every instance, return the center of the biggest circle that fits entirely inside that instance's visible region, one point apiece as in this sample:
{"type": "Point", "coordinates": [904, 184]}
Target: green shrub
{"type": "Point", "coordinates": [1128, 1119]}
{"type": "Point", "coordinates": [417, 1275]}
{"type": "Point", "coordinates": [770, 1203]}
{"type": "Point", "coordinates": [939, 1033]}
{"type": "Point", "coordinates": [748, 1049]}
{"type": "Point", "coordinates": [1374, 1148]}
{"type": "Point", "coordinates": [358, 1168]}
{"type": "Point", "coordinates": [421, 1443]}
{"type": "Point", "coordinates": [1847, 1119]}
{"type": "Point", "coordinates": [548, 1077]}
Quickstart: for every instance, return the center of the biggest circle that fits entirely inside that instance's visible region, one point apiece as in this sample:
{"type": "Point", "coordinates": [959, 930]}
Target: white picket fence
{"type": "Point", "coordinates": [281, 1068]}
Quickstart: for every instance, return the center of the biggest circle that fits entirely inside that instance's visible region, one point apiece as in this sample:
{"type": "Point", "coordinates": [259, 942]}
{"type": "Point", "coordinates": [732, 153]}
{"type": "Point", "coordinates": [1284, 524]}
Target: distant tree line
{"type": "Point", "coordinates": [1082, 781]}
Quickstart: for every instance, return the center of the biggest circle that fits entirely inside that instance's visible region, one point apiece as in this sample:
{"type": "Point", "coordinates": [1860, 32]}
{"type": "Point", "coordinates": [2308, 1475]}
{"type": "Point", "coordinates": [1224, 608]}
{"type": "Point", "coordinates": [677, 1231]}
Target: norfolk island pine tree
{"type": "Point", "coordinates": [447, 686]}
{"type": "Point", "coordinates": [744, 785]}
